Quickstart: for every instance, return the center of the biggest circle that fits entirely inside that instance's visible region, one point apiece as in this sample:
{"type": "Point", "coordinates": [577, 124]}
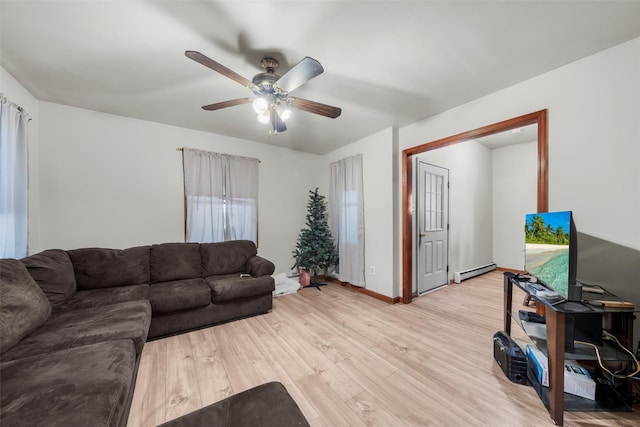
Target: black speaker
{"type": "Point", "coordinates": [510, 357]}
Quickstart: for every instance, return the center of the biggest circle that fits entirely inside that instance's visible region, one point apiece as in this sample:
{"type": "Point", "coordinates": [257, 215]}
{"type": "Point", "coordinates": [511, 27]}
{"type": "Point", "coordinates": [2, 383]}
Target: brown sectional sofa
{"type": "Point", "coordinates": [73, 323]}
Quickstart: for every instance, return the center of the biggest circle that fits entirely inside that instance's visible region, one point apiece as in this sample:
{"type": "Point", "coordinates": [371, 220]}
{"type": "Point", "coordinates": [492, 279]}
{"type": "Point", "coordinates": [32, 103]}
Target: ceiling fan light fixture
{"type": "Point", "coordinates": [285, 113]}
{"type": "Point", "coordinates": [260, 105]}
{"type": "Point", "coordinates": [264, 118]}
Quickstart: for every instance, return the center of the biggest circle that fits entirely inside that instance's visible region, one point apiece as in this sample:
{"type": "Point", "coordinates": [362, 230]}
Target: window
{"type": "Point", "coordinates": [349, 217]}
{"type": "Point", "coordinates": [221, 197]}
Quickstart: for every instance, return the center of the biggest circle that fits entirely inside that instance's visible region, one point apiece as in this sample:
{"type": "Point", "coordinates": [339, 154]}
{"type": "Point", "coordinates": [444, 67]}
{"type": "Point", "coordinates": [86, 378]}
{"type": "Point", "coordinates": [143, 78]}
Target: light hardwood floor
{"type": "Point", "coordinates": [350, 360]}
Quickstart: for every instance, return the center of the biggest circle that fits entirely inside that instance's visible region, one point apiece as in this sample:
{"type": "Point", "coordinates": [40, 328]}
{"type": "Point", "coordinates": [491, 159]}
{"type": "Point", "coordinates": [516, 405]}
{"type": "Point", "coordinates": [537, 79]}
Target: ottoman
{"type": "Point", "coordinates": [265, 405]}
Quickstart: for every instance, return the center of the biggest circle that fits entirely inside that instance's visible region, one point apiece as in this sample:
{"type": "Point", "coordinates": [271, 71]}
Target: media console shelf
{"type": "Point", "coordinates": [619, 322]}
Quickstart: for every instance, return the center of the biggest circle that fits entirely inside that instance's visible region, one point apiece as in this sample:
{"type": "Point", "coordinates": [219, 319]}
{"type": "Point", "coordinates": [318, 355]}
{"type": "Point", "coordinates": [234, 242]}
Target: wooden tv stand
{"type": "Point", "coordinates": [618, 315]}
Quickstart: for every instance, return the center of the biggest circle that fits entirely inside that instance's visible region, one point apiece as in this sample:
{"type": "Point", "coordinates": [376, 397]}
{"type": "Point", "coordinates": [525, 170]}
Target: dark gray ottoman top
{"type": "Point", "coordinates": [268, 405]}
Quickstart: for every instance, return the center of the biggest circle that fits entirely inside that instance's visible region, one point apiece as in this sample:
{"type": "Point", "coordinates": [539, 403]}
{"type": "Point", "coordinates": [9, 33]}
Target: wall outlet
{"type": "Point", "coordinates": [372, 270]}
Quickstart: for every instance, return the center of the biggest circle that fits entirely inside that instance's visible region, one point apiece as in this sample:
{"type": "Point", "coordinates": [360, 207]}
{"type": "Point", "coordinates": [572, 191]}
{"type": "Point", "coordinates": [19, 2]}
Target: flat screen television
{"type": "Point", "coordinates": [551, 252]}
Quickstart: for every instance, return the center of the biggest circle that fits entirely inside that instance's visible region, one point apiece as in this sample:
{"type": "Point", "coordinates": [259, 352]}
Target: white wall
{"type": "Point", "coordinates": [377, 159]}
{"type": "Point", "coordinates": [112, 181]}
{"type": "Point", "coordinates": [491, 191]}
{"type": "Point", "coordinates": [515, 188]}
{"type": "Point", "coordinates": [17, 94]}
{"type": "Point", "coordinates": [594, 105]}
{"type": "Point", "coordinates": [470, 203]}
{"type": "Point", "coordinates": [594, 146]}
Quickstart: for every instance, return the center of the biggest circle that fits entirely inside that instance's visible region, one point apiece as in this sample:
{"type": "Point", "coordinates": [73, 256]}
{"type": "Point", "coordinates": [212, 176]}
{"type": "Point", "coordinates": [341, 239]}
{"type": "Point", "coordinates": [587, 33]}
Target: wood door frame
{"type": "Point", "coordinates": [538, 117]}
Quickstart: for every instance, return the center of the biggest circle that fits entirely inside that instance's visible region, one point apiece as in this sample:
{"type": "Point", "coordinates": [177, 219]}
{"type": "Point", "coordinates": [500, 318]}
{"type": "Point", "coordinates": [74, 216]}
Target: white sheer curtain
{"type": "Point", "coordinates": [346, 218]}
{"type": "Point", "coordinates": [242, 198]}
{"type": "Point", "coordinates": [221, 194]}
{"type": "Point", "coordinates": [14, 232]}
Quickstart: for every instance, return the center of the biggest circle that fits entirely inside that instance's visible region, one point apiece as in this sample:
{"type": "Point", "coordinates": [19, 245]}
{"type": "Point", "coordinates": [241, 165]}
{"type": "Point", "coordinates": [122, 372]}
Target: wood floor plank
{"type": "Point", "coordinates": [182, 394]}
{"type": "Point", "coordinates": [262, 363]}
{"type": "Point", "coordinates": [268, 337]}
{"type": "Point", "coordinates": [213, 381]}
{"type": "Point", "coordinates": [374, 412]}
{"type": "Point", "coordinates": [149, 393]}
{"type": "Point", "coordinates": [335, 412]}
{"type": "Point", "coordinates": [438, 402]}
{"type": "Point", "coordinates": [402, 406]}
{"type": "Point", "coordinates": [240, 370]}
{"type": "Point", "coordinates": [350, 360]}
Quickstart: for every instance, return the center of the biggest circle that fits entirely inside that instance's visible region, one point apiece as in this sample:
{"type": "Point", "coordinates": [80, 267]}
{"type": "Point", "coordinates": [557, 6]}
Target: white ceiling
{"type": "Point", "coordinates": [387, 63]}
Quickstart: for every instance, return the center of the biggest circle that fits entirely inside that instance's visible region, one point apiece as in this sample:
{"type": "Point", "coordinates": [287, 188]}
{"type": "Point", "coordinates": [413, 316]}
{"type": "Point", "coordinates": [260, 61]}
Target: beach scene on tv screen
{"type": "Point", "coordinates": [547, 248]}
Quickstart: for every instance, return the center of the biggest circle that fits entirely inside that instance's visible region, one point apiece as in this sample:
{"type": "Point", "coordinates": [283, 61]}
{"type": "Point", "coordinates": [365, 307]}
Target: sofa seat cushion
{"type": "Point", "coordinates": [231, 287]}
{"type": "Point", "coordinates": [179, 295]}
{"type": "Point", "coordinates": [226, 257]}
{"type": "Point", "coordinates": [80, 386]}
{"type": "Point", "coordinates": [53, 271]}
{"type": "Point", "coordinates": [175, 261]}
{"type": "Point", "coordinates": [106, 268]}
{"type": "Point", "coordinates": [74, 328]}
{"type": "Point", "coordinates": [23, 305]}
{"type": "Point", "coordinates": [91, 298]}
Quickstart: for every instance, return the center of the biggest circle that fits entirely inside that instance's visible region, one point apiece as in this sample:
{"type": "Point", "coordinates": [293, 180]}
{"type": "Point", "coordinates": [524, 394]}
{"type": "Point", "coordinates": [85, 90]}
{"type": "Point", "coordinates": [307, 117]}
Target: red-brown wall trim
{"type": "Point", "coordinates": [538, 117]}
{"type": "Point", "coordinates": [366, 291]}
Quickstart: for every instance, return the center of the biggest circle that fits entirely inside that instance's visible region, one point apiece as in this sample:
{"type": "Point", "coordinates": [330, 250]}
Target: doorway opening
{"type": "Point", "coordinates": [538, 117]}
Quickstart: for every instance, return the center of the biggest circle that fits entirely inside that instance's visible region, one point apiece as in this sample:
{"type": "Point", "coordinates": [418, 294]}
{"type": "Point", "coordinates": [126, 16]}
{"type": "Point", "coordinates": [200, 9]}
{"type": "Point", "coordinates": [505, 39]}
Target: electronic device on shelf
{"type": "Point", "coordinates": [550, 296]}
{"type": "Point", "coordinates": [530, 316]}
{"type": "Point", "coordinates": [534, 288]}
{"type": "Point", "coordinates": [551, 252]}
{"type": "Point", "coordinates": [541, 292]}
{"type": "Point", "coordinates": [577, 379]}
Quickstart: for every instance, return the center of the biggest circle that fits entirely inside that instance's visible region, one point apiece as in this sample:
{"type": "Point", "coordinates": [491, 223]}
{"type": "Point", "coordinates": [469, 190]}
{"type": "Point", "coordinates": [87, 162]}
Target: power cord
{"type": "Point", "coordinates": [611, 337]}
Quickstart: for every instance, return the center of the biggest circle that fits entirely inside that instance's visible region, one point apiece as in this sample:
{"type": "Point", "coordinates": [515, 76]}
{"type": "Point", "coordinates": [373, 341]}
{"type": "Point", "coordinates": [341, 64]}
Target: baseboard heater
{"type": "Point", "coordinates": [472, 272]}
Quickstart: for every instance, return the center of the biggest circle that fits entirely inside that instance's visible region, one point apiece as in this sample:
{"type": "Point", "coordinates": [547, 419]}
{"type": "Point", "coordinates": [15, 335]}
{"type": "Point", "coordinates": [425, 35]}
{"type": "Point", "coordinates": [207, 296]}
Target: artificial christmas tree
{"type": "Point", "coordinates": [315, 250]}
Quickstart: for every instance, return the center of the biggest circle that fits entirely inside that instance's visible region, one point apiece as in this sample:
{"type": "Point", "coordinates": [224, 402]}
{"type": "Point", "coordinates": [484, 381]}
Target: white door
{"type": "Point", "coordinates": [432, 226]}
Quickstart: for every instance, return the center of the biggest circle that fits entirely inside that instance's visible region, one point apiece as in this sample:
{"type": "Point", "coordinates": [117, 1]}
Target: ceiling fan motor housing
{"type": "Point", "coordinates": [265, 81]}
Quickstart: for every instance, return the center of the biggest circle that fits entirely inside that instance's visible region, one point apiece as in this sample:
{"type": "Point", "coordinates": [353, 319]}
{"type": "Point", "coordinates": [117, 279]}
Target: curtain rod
{"type": "Point", "coordinates": [251, 158]}
{"type": "Point", "coordinates": [13, 104]}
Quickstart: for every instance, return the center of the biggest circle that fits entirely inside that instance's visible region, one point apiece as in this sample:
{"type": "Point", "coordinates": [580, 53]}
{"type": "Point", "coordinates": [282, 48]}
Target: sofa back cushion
{"type": "Point", "coordinates": [106, 268]}
{"type": "Point", "coordinates": [53, 272]}
{"type": "Point", "coordinates": [175, 261]}
{"type": "Point", "coordinates": [23, 305]}
{"type": "Point", "coordinates": [226, 257]}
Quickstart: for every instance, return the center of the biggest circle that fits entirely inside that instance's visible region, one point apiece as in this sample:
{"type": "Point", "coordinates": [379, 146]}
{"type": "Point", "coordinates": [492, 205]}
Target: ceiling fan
{"type": "Point", "coordinates": [271, 100]}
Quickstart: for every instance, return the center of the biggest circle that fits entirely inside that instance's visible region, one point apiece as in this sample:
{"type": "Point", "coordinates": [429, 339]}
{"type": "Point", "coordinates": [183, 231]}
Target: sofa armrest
{"type": "Point", "coordinates": [258, 266]}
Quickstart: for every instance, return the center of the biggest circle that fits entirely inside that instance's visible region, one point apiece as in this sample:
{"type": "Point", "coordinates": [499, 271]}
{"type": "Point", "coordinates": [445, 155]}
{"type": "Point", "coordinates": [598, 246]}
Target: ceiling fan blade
{"type": "Point", "coordinates": [315, 107]}
{"type": "Point", "coordinates": [215, 66]}
{"type": "Point", "coordinates": [301, 73]}
{"type": "Point", "coordinates": [225, 104]}
{"type": "Point", "coordinates": [276, 122]}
